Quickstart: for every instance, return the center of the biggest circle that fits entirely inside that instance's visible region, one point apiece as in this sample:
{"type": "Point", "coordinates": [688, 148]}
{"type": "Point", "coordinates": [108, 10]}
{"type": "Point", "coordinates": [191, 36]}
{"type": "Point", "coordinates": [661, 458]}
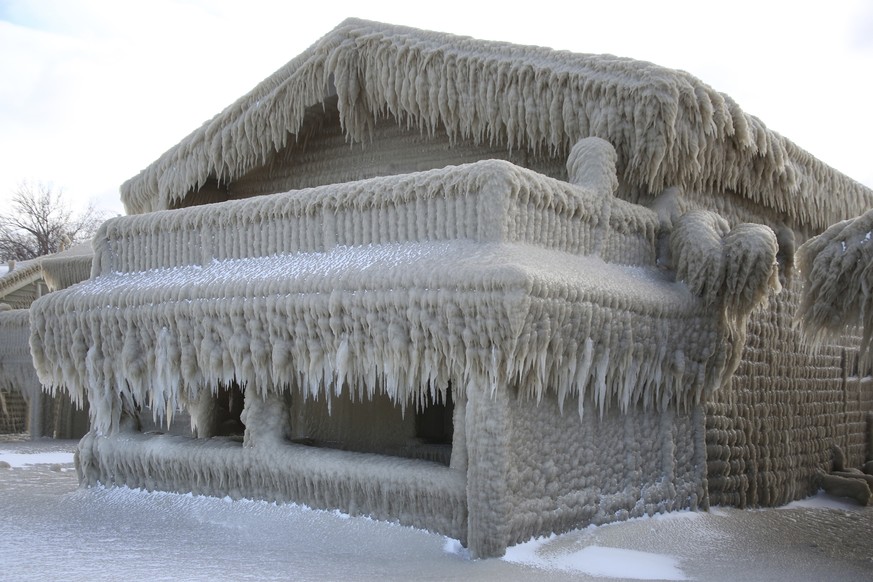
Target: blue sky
{"type": "Point", "coordinates": [93, 91]}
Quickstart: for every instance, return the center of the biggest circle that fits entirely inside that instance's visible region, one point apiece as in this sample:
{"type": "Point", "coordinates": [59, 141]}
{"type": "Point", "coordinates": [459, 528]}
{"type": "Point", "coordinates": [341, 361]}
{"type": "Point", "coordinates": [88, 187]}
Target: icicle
{"type": "Point", "coordinates": [838, 280]}
{"type": "Point", "coordinates": [678, 131]}
{"type": "Point", "coordinates": [478, 271]}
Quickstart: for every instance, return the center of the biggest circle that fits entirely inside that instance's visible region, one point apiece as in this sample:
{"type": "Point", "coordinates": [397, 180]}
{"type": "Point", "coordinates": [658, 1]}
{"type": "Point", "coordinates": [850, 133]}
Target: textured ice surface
{"type": "Point", "coordinates": [838, 280]}
{"type": "Point", "coordinates": [670, 129]}
{"type": "Point", "coordinates": [124, 534]}
{"type": "Point", "coordinates": [16, 366]}
{"type": "Point", "coordinates": [17, 374]}
{"type": "Point", "coordinates": [399, 285]}
{"type": "Point", "coordinates": [512, 287]}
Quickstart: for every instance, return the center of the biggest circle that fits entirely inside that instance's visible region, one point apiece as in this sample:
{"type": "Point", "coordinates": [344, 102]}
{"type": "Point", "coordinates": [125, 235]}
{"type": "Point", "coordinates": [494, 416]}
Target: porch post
{"type": "Point", "coordinates": [488, 441]}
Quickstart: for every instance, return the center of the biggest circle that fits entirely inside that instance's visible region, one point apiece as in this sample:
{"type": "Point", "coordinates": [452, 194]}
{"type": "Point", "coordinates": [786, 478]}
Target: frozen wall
{"type": "Point", "coordinates": [24, 407]}
{"type": "Point", "coordinates": [66, 268]}
{"type": "Point", "coordinates": [411, 492]}
{"type": "Point", "coordinates": [771, 432]}
{"type": "Point", "coordinates": [803, 385]}
{"type": "Point", "coordinates": [326, 157]}
{"type": "Point", "coordinates": [18, 380]}
{"type": "Point", "coordinates": [173, 308]}
{"type": "Point", "coordinates": [558, 471]}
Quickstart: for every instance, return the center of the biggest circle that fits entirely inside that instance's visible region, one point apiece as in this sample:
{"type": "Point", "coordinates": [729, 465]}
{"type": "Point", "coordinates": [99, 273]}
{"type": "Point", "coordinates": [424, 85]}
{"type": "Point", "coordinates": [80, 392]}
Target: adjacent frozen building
{"type": "Point", "coordinates": [490, 290]}
{"type": "Point", "coordinates": [24, 407]}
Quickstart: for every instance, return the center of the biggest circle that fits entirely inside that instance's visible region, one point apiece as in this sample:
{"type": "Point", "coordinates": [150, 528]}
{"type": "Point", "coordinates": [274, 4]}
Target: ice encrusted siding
{"type": "Point", "coordinates": [19, 383]}
{"type": "Point", "coordinates": [67, 268]}
{"type": "Point", "coordinates": [567, 472]}
{"type": "Point", "coordinates": [16, 368]}
{"type": "Point", "coordinates": [510, 205]}
{"type": "Point", "coordinates": [771, 433]}
{"type": "Point", "coordinates": [24, 407]}
{"type": "Point", "coordinates": [838, 280]}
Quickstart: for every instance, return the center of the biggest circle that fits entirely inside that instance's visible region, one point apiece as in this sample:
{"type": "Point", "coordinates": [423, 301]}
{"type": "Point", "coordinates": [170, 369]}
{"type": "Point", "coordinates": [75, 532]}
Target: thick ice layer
{"type": "Point", "coordinates": [16, 367]}
{"type": "Point", "coordinates": [17, 374]}
{"type": "Point", "coordinates": [411, 492]}
{"type": "Point", "coordinates": [18, 380]}
{"type": "Point", "coordinates": [669, 128]}
{"type": "Point", "coordinates": [391, 318]}
{"type": "Point", "coordinates": [396, 285]}
{"type": "Point", "coordinates": [67, 268]}
{"type": "Point", "coordinates": [486, 201]}
{"type": "Point", "coordinates": [838, 290]}
{"type": "Point", "coordinates": [17, 289]}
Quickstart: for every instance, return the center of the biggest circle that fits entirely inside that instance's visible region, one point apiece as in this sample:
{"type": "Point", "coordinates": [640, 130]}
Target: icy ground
{"type": "Point", "coordinates": [52, 530]}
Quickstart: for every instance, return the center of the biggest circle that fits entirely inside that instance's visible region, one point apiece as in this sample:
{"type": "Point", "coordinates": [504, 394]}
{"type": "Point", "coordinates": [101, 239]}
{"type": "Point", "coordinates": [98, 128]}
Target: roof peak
{"type": "Point", "coordinates": [669, 128]}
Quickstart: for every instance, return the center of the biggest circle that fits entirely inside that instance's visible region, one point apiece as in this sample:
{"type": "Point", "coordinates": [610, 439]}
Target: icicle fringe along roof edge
{"type": "Point", "coordinates": [24, 274]}
{"type": "Point", "coordinates": [669, 128]}
{"type": "Point", "coordinates": [59, 270]}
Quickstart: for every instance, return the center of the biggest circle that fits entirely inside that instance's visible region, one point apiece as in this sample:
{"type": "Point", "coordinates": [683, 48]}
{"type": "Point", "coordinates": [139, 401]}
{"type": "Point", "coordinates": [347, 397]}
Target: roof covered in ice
{"type": "Point", "coordinates": [18, 287]}
{"type": "Point", "coordinates": [669, 128]}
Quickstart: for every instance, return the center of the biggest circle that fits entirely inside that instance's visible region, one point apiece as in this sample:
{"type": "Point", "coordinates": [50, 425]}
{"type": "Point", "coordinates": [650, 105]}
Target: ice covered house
{"type": "Point", "coordinates": [24, 407]}
{"type": "Point", "coordinates": [491, 290]}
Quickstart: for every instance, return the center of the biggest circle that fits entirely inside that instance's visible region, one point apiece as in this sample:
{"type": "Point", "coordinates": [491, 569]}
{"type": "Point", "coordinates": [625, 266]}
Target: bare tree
{"type": "Point", "coordinates": [39, 222]}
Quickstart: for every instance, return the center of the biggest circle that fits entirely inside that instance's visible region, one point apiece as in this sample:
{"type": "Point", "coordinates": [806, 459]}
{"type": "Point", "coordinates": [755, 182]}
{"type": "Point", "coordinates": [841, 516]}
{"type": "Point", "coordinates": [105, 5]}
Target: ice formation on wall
{"type": "Point", "coordinates": [734, 269]}
{"type": "Point", "coordinates": [16, 368]}
{"type": "Point", "coordinates": [66, 268]}
{"type": "Point", "coordinates": [20, 287]}
{"type": "Point", "coordinates": [23, 275]}
{"type": "Point", "coordinates": [676, 132]}
{"type": "Point", "coordinates": [838, 290]}
{"type": "Point", "coordinates": [770, 433]}
{"type": "Point", "coordinates": [395, 285]}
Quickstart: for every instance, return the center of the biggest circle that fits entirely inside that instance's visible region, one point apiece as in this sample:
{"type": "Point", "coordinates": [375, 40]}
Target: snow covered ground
{"type": "Point", "coordinates": [52, 530]}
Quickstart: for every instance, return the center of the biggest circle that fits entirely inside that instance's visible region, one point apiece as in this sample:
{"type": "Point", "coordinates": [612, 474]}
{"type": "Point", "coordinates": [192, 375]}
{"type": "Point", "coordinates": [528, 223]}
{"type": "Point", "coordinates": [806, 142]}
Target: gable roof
{"type": "Point", "coordinates": [669, 128]}
{"type": "Point", "coordinates": [19, 287]}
